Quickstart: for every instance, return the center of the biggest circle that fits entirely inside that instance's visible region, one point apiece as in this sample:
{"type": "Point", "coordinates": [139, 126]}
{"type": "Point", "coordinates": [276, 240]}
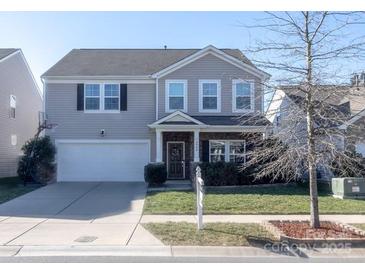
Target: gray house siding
{"type": "Point", "coordinates": [15, 79]}
{"type": "Point", "coordinates": [73, 124]}
{"type": "Point", "coordinates": [208, 67]}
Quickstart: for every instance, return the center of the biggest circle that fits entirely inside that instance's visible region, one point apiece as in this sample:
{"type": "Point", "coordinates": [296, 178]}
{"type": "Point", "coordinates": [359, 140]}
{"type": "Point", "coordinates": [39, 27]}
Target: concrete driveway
{"type": "Point", "coordinates": [76, 214]}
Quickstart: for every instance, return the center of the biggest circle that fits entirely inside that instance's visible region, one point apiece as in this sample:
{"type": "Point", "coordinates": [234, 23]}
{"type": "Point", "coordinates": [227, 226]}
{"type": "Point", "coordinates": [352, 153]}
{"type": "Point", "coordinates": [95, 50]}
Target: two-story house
{"type": "Point", "coordinates": [118, 109]}
{"type": "Point", "coordinates": [20, 104]}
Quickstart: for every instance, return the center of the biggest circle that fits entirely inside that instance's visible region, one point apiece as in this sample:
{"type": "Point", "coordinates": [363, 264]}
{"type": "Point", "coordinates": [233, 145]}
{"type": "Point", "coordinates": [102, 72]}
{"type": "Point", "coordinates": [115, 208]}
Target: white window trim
{"type": "Point", "coordinates": [101, 98]}
{"type": "Point", "coordinates": [205, 81]}
{"type": "Point", "coordinates": [227, 153]}
{"type": "Point", "coordinates": [167, 93]}
{"type": "Point", "coordinates": [252, 95]}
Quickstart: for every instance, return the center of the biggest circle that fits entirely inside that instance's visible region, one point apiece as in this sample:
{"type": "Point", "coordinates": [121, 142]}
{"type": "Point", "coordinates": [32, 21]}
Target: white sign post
{"type": "Point", "coordinates": [199, 183]}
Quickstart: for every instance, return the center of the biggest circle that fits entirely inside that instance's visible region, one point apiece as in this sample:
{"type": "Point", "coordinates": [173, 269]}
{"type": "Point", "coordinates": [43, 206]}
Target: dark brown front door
{"type": "Point", "coordinates": [176, 160]}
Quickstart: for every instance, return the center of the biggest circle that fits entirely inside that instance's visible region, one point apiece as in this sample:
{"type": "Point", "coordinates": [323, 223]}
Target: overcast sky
{"type": "Point", "coordinates": [45, 37]}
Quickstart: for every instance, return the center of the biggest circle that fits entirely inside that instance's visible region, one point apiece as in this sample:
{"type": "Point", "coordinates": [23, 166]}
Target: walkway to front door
{"type": "Point", "coordinates": [176, 160]}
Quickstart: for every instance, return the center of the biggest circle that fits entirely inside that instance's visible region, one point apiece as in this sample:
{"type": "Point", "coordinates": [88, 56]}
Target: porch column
{"type": "Point", "coordinates": [196, 145]}
{"type": "Point", "coordinates": [158, 145]}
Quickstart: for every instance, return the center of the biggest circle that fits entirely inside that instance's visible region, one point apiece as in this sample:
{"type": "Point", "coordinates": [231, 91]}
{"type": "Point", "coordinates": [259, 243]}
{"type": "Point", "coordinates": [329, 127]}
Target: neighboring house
{"type": "Point", "coordinates": [339, 107]}
{"type": "Point", "coordinates": [355, 126]}
{"type": "Point", "coordinates": [20, 104]}
{"type": "Point", "coordinates": [118, 109]}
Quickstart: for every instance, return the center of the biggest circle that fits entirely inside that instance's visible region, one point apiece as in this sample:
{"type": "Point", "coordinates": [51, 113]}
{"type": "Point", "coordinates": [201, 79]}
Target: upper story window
{"type": "Point", "coordinates": [209, 96]}
{"type": "Point", "coordinates": [111, 97]}
{"type": "Point", "coordinates": [176, 95]}
{"type": "Point", "coordinates": [92, 97]}
{"type": "Point", "coordinates": [243, 96]}
{"type": "Point", "coordinates": [227, 151]}
{"type": "Point", "coordinates": [102, 97]}
{"type": "Point", "coordinates": [12, 106]}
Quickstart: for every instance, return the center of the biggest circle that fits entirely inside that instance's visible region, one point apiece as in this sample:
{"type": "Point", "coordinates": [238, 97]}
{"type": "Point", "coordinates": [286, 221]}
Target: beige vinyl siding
{"type": "Point", "coordinates": [209, 67]}
{"type": "Point", "coordinates": [72, 124]}
{"type": "Point", "coordinates": [15, 79]}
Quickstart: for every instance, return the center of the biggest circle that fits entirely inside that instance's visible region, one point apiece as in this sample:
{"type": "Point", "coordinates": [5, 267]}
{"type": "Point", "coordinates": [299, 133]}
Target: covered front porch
{"type": "Point", "coordinates": [183, 140]}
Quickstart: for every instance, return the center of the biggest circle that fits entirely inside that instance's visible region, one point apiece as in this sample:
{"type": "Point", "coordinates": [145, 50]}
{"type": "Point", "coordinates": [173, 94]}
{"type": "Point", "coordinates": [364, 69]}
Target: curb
{"type": "Point", "coordinates": [135, 251]}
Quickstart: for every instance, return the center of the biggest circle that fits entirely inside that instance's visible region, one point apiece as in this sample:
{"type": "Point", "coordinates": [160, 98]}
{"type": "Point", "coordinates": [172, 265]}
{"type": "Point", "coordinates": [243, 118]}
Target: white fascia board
{"type": "Point", "coordinates": [176, 113]}
{"type": "Point", "coordinates": [31, 74]}
{"type": "Point", "coordinates": [216, 52]}
{"type": "Point", "coordinates": [10, 55]}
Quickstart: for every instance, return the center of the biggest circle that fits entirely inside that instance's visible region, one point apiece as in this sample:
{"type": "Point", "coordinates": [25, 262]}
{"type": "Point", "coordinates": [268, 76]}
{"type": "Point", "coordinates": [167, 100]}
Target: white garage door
{"type": "Point", "coordinates": [112, 161]}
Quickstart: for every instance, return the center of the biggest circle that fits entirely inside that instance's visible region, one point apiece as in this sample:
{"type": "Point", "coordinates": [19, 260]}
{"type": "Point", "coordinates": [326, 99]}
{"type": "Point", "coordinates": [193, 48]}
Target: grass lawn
{"type": "Point", "coordinates": [360, 226]}
{"type": "Point", "coordinates": [268, 200]}
{"type": "Point", "coordinates": [12, 187]}
{"type": "Point", "coordinates": [213, 234]}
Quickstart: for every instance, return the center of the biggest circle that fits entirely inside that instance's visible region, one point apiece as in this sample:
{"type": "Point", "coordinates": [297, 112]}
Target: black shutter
{"type": "Point", "coordinates": [80, 96]}
{"type": "Point", "coordinates": [123, 97]}
{"type": "Point", "coordinates": [205, 150]}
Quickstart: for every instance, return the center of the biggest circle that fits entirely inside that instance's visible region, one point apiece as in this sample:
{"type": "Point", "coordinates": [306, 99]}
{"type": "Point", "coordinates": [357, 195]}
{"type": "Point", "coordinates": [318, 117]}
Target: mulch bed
{"type": "Point", "coordinates": [328, 230]}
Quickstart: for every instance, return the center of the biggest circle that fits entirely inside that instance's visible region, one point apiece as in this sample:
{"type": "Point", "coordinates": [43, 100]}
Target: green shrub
{"type": "Point", "coordinates": [37, 163]}
{"type": "Point", "coordinates": [155, 174]}
{"type": "Point", "coordinates": [230, 174]}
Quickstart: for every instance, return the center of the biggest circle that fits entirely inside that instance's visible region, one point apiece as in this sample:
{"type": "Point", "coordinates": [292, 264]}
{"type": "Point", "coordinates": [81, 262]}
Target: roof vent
{"type": "Point", "coordinates": [165, 47]}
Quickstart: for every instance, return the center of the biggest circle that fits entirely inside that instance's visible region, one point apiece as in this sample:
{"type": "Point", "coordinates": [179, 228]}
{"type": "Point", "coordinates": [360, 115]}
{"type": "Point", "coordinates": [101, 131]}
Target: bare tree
{"type": "Point", "coordinates": [308, 51]}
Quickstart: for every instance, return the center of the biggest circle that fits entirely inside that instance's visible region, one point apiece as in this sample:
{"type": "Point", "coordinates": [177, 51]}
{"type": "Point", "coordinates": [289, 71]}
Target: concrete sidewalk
{"type": "Point", "coordinates": [248, 218]}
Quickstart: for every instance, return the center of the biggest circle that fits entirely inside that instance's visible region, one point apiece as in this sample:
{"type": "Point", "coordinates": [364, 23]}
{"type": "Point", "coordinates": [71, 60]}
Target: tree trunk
{"type": "Point", "coordinates": [312, 169]}
{"type": "Point", "coordinates": [312, 165]}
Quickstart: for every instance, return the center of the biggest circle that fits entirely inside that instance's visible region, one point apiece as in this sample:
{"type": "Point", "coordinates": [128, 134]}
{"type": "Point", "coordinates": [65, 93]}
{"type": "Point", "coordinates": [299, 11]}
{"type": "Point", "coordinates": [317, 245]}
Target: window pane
{"type": "Point", "coordinates": [92, 90]}
{"type": "Point", "coordinates": [237, 147]}
{"type": "Point", "coordinates": [209, 89]}
{"type": "Point", "coordinates": [176, 103]}
{"type": "Point", "coordinates": [111, 104]}
{"type": "Point", "coordinates": [209, 102]}
{"type": "Point", "coordinates": [217, 147]}
{"type": "Point", "coordinates": [216, 158]}
{"type": "Point", "coordinates": [237, 158]}
{"type": "Point", "coordinates": [176, 89]}
{"type": "Point", "coordinates": [111, 90]}
{"type": "Point", "coordinates": [92, 103]}
{"type": "Point", "coordinates": [243, 89]}
{"type": "Point", "coordinates": [243, 103]}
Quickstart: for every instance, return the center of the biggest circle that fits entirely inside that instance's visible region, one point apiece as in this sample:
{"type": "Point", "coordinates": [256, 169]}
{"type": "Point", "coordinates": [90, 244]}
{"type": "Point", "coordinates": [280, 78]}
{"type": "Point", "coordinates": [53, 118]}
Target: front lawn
{"type": "Point", "coordinates": [268, 200]}
{"type": "Point", "coordinates": [213, 234]}
{"type": "Point", "coordinates": [360, 226]}
{"type": "Point", "coordinates": [12, 187]}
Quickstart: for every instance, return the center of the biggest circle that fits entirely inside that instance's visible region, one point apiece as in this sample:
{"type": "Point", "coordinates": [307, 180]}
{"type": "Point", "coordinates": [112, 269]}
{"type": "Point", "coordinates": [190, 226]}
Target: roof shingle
{"type": "Point", "coordinates": [124, 62]}
{"type": "Point", "coordinates": [6, 52]}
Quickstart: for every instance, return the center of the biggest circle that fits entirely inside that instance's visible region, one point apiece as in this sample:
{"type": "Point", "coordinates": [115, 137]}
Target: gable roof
{"type": "Point", "coordinates": [6, 52]}
{"type": "Point", "coordinates": [127, 62]}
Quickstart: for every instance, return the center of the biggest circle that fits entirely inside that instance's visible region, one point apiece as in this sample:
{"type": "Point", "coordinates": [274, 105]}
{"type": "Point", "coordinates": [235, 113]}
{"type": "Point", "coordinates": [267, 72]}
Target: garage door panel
{"type": "Point", "coordinates": [102, 161]}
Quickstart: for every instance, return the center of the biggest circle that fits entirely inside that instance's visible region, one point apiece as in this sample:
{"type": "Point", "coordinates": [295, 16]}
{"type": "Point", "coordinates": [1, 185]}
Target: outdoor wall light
{"type": "Point", "coordinates": [102, 132]}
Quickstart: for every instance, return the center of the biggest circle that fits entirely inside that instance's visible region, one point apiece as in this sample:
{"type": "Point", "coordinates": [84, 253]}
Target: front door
{"type": "Point", "coordinates": [175, 160]}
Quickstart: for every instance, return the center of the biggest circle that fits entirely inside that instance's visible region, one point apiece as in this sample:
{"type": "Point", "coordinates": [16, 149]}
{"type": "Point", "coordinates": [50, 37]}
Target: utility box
{"type": "Point", "coordinates": [348, 188]}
